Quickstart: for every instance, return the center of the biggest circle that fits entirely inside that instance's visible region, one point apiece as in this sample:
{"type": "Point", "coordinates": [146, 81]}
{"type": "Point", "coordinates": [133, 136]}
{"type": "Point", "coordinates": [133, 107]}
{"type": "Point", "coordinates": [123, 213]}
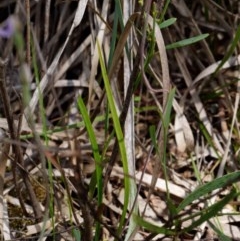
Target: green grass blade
{"type": "Point", "coordinates": [166, 122]}
{"type": "Point", "coordinates": [164, 10]}
{"type": "Point", "coordinates": [120, 138]}
{"type": "Point", "coordinates": [171, 207]}
{"type": "Point", "coordinates": [167, 23]}
{"type": "Point", "coordinates": [162, 153]}
{"type": "Point", "coordinates": [153, 228]}
{"type": "Point", "coordinates": [212, 211]}
{"type": "Point", "coordinates": [221, 236]}
{"type": "Point", "coordinates": [168, 109]}
{"type": "Point", "coordinates": [97, 157]}
{"type": "Point", "coordinates": [77, 234]}
{"type": "Point", "coordinates": [120, 13]}
{"type": "Point", "coordinates": [96, 154]}
{"type": "Point", "coordinates": [201, 191]}
{"type": "Point", "coordinates": [117, 14]}
{"type": "Point", "coordinates": [232, 48]}
{"type": "Point", "coordinates": [208, 137]}
{"type": "Point", "coordinates": [186, 42]}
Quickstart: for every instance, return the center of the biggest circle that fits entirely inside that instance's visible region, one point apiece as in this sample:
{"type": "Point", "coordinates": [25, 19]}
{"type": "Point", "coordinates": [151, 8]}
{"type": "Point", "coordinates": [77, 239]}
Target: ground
{"type": "Point", "coordinates": [119, 120]}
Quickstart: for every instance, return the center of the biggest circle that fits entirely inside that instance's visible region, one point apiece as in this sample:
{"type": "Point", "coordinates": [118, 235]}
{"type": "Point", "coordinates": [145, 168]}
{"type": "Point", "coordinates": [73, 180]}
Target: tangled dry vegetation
{"type": "Point", "coordinates": [76, 77]}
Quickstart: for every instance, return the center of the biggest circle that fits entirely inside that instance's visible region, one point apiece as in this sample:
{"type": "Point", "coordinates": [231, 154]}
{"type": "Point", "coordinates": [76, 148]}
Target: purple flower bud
{"type": "Point", "coordinates": [8, 28]}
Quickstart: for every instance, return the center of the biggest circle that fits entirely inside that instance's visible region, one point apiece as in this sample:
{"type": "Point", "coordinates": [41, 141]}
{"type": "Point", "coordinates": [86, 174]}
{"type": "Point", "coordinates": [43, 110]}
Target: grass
{"type": "Point", "coordinates": [110, 91]}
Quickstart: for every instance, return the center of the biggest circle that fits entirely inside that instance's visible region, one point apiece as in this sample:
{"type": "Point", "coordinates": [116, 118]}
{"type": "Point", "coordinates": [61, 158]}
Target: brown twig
{"type": "Point", "coordinates": [14, 136]}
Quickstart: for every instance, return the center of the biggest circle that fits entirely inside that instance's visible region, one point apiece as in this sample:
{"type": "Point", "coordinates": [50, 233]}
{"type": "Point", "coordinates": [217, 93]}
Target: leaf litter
{"type": "Point", "coordinates": [203, 134]}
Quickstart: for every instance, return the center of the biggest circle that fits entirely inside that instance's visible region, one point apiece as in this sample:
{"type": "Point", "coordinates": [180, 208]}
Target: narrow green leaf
{"type": "Point", "coordinates": [153, 228]}
{"type": "Point", "coordinates": [221, 236]}
{"type": "Point", "coordinates": [168, 109]}
{"type": "Point", "coordinates": [166, 122]}
{"type": "Point", "coordinates": [165, 8]}
{"type": "Point", "coordinates": [120, 138]}
{"type": "Point", "coordinates": [117, 15]}
{"type": "Point", "coordinates": [162, 155]}
{"type": "Point", "coordinates": [186, 42]}
{"type": "Point", "coordinates": [96, 154]}
{"type": "Point", "coordinates": [77, 234]}
{"type": "Point", "coordinates": [201, 191]}
{"type": "Point", "coordinates": [212, 211]}
{"type": "Point", "coordinates": [167, 23]}
{"type": "Point", "coordinates": [208, 136]}
{"type": "Point", "coordinates": [231, 50]}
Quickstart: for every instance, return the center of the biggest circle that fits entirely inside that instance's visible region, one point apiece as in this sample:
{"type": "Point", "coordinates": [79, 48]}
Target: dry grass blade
{"type": "Point", "coordinates": [233, 61]}
{"type": "Point", "coordinates": [166, 88]}
{"type": "Point", "coordinates": [5, 148]}
{"type": "Point", "coordinates": [6, 229]}
{"type": "Point", "coordinates": [37, 228]}
{"type": "Point", "coordinates": [14, 136]}
{"type": "Point", "coordinates": [197, 101]}
{"type": "Point", "coordinates": [129, 123]}
{"type": "Point", "coordinates": [228, 145]}
{"type": "Point", "coordinates": [44, 82]}
{"type": "Point", "coordinates": [97, 145]}
{"type": "Point", "coordinates": [95, 57]}
{"type": "Point", "coordinates": [121, 43]}
{"type": "Point", "coordinates": [146, 179]}
{"type": "Point", "coordinates": [75, 55]}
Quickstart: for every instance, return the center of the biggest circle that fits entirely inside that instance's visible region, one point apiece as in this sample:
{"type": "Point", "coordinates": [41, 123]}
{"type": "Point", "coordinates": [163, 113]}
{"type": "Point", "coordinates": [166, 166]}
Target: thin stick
{"type": "Point", "coordinates": [14, 136]}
